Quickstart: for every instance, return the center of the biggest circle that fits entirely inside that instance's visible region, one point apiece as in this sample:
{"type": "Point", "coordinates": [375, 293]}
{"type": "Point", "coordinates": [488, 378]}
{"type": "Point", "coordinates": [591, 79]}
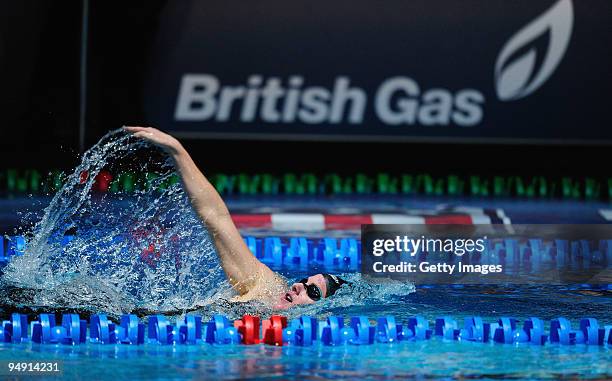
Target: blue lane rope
{"type": "Point", "coordinates": [345, 253]}
{"type": "Point", "coordinates": [302, 331]}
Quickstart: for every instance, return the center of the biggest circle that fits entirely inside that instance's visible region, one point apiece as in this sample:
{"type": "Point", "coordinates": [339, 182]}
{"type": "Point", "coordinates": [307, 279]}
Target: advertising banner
{"type": "Point", "coordinates": [443, 70]}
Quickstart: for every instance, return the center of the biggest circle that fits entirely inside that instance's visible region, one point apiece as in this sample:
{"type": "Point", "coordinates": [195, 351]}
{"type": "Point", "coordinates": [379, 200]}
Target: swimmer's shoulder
{"type": "Point", "coordinates": [266, 289]}
{"type": "Point", "coordinates": [280, 282]}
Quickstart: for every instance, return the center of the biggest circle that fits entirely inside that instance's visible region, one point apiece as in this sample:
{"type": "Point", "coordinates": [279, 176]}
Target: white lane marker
{"type": "Point", "coordinates": [298, 221]}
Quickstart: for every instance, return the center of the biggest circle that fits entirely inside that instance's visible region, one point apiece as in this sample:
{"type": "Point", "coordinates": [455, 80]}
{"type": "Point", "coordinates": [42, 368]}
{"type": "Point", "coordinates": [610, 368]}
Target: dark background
{"type": "Point", "coordinates": [39, 56]}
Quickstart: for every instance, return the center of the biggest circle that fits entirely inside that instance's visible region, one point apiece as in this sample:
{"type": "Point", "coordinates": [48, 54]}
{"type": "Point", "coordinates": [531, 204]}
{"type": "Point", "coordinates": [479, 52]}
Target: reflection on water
{"type": "Point", "coordinates": [408, 360]}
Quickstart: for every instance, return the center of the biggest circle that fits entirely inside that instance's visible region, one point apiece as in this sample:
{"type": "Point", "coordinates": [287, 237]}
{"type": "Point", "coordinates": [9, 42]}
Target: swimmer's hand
{"type": "Point", "coordinates": [156, 137]}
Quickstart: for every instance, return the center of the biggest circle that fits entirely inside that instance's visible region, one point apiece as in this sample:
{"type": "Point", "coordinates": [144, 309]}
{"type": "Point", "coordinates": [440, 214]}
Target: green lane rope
{"type": "Point", "coordinates": [14, 181]}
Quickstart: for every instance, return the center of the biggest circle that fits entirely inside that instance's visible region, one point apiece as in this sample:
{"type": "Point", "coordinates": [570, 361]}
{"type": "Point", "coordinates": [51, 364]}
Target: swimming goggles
{"type": "Point", "coordinates": [312, 290]}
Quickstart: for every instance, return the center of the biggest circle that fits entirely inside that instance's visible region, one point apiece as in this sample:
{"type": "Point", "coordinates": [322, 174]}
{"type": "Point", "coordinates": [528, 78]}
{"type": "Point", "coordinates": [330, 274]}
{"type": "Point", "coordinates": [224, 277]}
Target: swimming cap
{"type": "Point", "coordinates": [334, 282]}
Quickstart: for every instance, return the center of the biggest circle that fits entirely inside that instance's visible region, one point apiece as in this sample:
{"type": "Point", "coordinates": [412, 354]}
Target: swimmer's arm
{"type": "Point", "coordinates": [243, 269]}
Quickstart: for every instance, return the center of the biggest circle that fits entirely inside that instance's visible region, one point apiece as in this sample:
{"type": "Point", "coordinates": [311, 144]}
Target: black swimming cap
{"type": "Point", "coordinates": [334, 282]}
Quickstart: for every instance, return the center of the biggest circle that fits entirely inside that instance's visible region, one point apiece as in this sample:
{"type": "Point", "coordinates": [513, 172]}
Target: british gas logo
{"type": "Point", "coordinates": [520, 69]}
{"type": "Point", "coordinates": [516, 72]}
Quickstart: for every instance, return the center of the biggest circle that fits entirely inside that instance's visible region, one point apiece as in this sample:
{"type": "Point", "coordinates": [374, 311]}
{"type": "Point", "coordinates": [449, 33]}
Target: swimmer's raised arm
{"type": "Point", "coordinates": [243, 269]}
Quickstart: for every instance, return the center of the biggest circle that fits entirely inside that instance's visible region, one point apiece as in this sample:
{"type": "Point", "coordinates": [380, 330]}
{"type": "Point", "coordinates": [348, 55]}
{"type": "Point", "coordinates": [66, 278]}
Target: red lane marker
{"type": "Point", "coordinates": [450, 219]}
{"type": "Point", "coordinates": [347, 220]}
{"type": "Point", "coordinates": [248, 328]}
{"type": "Point", "coordinates": [150, 256]}
{"type": "Point", "coordinates": [83, 176]}
{"type": "Point", "coordinates": [252, 220]}
{"type": "Point", "coordinates": [273, 330]}
{"type": "Point", "coordinates": [102, 181]}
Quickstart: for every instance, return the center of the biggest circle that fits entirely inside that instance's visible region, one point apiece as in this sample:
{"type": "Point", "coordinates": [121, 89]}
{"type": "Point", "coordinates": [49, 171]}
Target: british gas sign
{"type": "Point", "coordinates": [398, 100]}
{"type": "Point", "coordinates": [507, 73]}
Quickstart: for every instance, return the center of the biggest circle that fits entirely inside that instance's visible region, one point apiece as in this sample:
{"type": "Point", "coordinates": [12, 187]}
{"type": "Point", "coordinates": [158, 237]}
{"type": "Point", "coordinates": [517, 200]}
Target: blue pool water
{"type": "Point", "coordinates": [431, 359]}
{"type": "Point", "coordinates": [102, 270]}
{"type": "Point", "coordinates": [413, 360]}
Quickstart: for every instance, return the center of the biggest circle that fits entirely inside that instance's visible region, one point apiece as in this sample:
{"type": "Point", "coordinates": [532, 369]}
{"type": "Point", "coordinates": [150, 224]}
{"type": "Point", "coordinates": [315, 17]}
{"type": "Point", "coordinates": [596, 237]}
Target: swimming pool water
{"type": "Point", "coordinates": [408, 360]}
{"type": "Point", "coordinates": [405, 360]}
{"type": "Point", "coordinates": [435, 358]}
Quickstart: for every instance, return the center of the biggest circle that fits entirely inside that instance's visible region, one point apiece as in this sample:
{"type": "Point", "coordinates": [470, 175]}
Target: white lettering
{"type": "Point", "coordinates": [343, 95]}
{"type": "Point", "coordinates": [271, 93]}
{"type": "Point", "coordinates": [436, 108]}
{"type": "Point", "coordinates": [315, 105]}
{"type": "Point", "coordinates": [405, 110]}
{"type": "Point", "coordinates": [469, 111]}
{"type": "Point", "coordinates": [398, 101]}
{"type": "Point", "coordinates": [196, 100]}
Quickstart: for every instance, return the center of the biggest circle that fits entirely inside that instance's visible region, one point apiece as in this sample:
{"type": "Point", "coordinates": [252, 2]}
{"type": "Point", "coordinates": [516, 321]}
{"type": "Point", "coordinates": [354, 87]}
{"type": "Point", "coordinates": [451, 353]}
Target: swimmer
{"type": "Point", "coordinates": [252, 279]}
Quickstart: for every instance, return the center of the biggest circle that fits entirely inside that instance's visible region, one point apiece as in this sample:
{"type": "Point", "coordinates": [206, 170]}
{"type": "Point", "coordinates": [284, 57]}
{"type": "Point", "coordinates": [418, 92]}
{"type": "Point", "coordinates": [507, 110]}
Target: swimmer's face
{"type": "Point", "coordinates": [299, 294]}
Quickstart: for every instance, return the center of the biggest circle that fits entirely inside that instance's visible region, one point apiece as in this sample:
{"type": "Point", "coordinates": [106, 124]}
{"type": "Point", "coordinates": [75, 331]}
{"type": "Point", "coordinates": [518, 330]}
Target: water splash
{"type": "Point", "coordinates": [147, 250]}
{"type": "Point", "coordinates": [362, 294]}
{"type": "Point", "coordinates": [347, 301]}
